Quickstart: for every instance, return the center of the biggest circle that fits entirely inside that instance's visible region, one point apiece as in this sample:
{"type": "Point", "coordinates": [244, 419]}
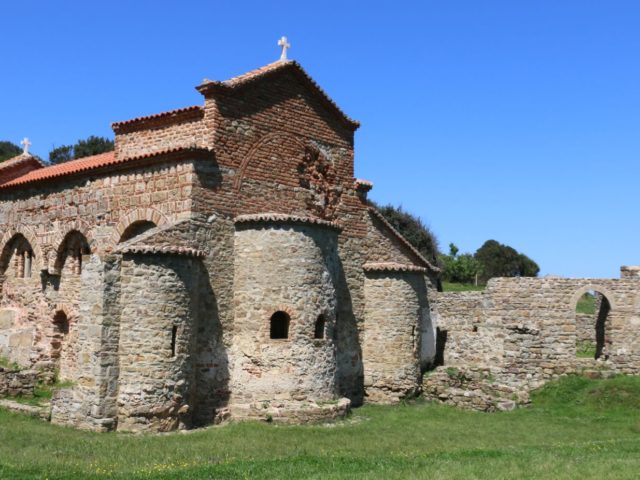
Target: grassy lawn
{"type": "Point", "coordinates": [586, 304]}
{"type": "Point", "coordinates": [461, 287]}
{"type": "Point", "coordinates": [578, 428]}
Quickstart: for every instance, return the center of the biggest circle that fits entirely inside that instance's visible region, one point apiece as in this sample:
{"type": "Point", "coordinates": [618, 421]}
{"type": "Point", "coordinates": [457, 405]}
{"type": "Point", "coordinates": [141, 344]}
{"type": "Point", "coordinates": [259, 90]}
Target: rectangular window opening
{"type": "Point", "coordinates": [174, 333]}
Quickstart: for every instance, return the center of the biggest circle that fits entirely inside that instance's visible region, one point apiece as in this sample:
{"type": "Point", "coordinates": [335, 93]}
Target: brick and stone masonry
{"type": "Point", "coordinates": [213, 267]}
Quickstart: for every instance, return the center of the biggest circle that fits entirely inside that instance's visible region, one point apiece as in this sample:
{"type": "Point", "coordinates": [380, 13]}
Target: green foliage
{"type": "Point", "coordinates": [82, 148]}
{"type": "Point", "coordinates": [586, 349]}
{"type": "Point", "coordinates": [8, 364]}
{"type": "Point", "coordinates": [587, 304]}
{"type": "Point", "coordinates": [575, 428]}
{"type": "Point", "coordinates": [8, 150]}
{"type": "Point", "coordinates": [412, 228]}
{"type": "Point", "coordinates": [498, 260]}
{"type": "Point", "coordinates": [61, 154]}
{"type": "Point", "coordinates": [459, 268]}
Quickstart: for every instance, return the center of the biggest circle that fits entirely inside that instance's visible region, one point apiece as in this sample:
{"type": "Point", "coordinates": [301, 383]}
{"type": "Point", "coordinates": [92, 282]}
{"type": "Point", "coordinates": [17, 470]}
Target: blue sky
{"type": "Point", "coordinates": [517, 121]}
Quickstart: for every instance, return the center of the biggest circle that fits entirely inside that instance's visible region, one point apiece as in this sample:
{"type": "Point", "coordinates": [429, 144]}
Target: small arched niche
{"type": "Point", "coordinates": [593, 325]}
{"type": "Point", "coordinates": [135, 229]}
{"type": "Point", "coordinates": [17, 257]}
{"type": "Point", "coordinates": [279, 325]}
{"type": "Point", "coordinates": [70, 252]}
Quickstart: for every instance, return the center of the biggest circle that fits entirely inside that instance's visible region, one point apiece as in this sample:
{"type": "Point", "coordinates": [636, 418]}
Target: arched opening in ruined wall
{"type": "Point", "coordinates": [17, 257]}
{"type": "Point", "coordinates": [592, 325]}
{"type": "Point", "coordinates": [135, 229]}
{"type": "Point", "coordinates": [70, 252]}
{"type": "Point", "coordinates": [61, 352]}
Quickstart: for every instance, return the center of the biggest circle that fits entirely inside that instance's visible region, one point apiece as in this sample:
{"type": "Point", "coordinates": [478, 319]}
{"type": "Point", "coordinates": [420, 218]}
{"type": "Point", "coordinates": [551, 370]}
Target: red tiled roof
{"type": "Point", "coordinates": [20, 159]}
{"type": "Point", "coordinates": [258, 73]}
{"type": "Point", "coordinates": [170, 113]}
{"type": "Point", "coordinates": [67, 168]}
{"type": "Point", "coordinates": [85, 164]}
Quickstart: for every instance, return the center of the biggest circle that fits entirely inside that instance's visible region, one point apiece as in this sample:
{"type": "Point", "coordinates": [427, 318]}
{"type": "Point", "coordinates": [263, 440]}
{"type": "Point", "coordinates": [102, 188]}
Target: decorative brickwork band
{"type": "Point", "coordinates": [284, 218]}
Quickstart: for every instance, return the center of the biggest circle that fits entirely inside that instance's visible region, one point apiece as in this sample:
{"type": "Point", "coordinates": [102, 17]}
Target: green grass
{"type": "Point", "coordinates": [586, 350]}
{"type": "Point", "coordinates": [461, 287]}
{"type": "Point", "coordinates": [586, 304]}
{"type": "Point", "coordinates": [6, 363]}
{"type": "Point", "coordinates": [576, 428]}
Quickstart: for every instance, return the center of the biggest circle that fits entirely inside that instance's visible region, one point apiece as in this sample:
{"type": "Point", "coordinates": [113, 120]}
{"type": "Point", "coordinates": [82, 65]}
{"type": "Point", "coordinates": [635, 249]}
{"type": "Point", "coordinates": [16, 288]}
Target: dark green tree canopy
{"type": "Point", "coordinates": [498, 260]}
{"type": "Point", "coordinates": [8, 150]}
{"type": "Point", "coordinates": [82, 148]}
{"type": "Point", "coordinates": [412, 228]}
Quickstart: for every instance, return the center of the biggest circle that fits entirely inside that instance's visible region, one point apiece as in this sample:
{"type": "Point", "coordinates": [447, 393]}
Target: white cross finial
{"type": "Point", "coordinates": [26, 144]}
{"type": "Point", "coordinates": [284, 44]}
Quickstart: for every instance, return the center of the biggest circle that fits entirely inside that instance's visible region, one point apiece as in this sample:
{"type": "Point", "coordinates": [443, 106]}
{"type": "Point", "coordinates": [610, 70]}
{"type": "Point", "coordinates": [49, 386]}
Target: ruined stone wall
{"type": "Point", "coordinates": [532, 329]}
{"type": "Point", "coordinates": [17, 383]}
{"type": "Point", "coordinates": [395, 307]}
{"type": "Point", "coordinates": [466, 335]}
{"type": "Point", "coordinates": [291, 269]}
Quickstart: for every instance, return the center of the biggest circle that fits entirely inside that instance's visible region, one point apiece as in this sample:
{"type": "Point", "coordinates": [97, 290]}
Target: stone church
{"type": "Point", "coordinates": [222, 262]}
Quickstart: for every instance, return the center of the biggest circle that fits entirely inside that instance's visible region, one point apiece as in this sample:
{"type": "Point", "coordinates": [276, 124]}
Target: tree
{"type": "Point", "coordinates": [61, 154]}
{"type": "Point", "coordinates": [8, 150]}
{"type": "Point", "coordinates": [498, 260]}
{"type": "Point", "coordinates": [412, 228]}
{"type": "Point", "coordinates": [459, 268]}
{"type": "Point", "coordinates": [82, 148]}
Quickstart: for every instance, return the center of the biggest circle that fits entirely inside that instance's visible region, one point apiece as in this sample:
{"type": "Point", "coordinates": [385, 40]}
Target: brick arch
{"type": "Point", "coordinates": [145, 214]}
{"type": "Point", "coordinates": [54, 242]}
{"type": "Point", "coordinates": [59, 255]}
{"type": "Point", "coordinates": [69, 312]}
{"type": "Point", "coordinates": [30, 235]}
{"type": "Point", "coordinates": [597, 288]}
{"type": "Point", "coordinates": [272, 137]}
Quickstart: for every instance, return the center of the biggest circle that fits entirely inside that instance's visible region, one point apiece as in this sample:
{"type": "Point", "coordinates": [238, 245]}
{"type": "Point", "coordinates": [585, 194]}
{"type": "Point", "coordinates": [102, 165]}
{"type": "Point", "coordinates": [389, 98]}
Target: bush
{"type": "Point", "coordinates": [412, 228]}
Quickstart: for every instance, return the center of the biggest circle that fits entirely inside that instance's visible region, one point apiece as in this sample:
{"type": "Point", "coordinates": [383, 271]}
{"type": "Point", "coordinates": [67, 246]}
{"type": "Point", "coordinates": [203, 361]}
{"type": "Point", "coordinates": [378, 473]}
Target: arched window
{"type": "Point", "coordinates": [318, 331]}
{"type": "Point", "coordinates": [135, 229]}
{"type": "Point", "coordinates": [279, 327]}
{"type": "Point", "coordinates": [70, 253]}
{"type": "Point", "coordinates": [18, 253]}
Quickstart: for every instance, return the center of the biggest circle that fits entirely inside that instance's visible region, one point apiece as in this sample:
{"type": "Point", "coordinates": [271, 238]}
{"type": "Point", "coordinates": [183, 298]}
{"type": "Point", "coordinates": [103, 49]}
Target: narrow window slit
{"type": "Point", "coordinates": [319, 327]}
{"type": "Point", "coordinates": [174, 334]}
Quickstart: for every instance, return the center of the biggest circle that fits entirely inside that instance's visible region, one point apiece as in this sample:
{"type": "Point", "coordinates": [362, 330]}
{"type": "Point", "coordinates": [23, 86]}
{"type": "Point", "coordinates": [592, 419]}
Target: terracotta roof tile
{"type": "Point", "coordinates": [66, 168]}
{"type": "Point", "coordinates": [85, 164]}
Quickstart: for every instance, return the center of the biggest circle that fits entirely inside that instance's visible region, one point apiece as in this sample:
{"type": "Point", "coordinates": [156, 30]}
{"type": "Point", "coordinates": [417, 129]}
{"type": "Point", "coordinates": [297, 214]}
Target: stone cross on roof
{"type": "Point", "coordinates": [26, 144]}
{"type": "Point", "coordinates": [285, 45]}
